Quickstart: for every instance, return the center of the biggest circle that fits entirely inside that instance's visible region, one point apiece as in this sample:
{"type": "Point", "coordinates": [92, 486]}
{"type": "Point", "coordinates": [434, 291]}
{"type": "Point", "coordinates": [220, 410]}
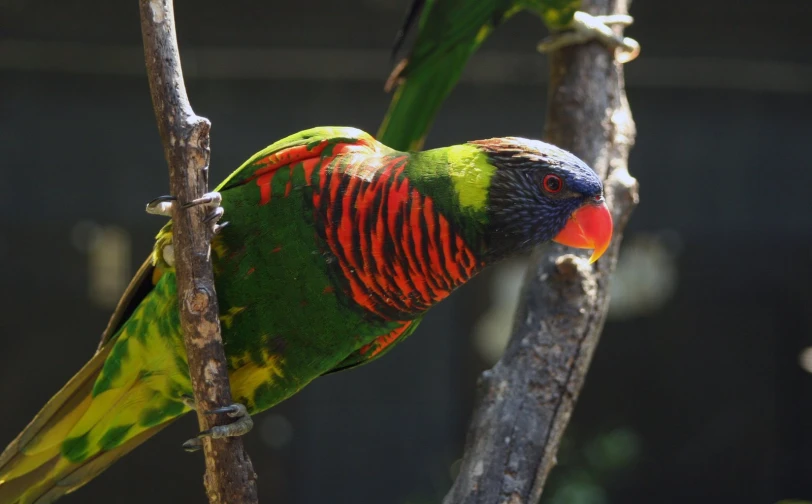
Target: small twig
{"type": "Point", "coordinates": [230, 477]}
{"type": "Point", "coordinates": [525, 401]}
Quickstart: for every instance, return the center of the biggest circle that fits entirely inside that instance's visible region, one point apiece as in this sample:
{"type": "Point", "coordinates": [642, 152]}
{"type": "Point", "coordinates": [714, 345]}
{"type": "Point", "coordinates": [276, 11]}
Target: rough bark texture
{"type": "Point", "coordinates": [230, 477]}
{"type": "Point", "coordinates": [525, 401]}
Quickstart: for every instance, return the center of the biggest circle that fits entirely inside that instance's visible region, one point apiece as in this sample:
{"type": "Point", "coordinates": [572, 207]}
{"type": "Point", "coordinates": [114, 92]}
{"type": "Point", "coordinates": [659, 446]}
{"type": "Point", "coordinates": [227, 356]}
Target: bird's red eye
{"type": "Point", "coordinates": [552, 183]}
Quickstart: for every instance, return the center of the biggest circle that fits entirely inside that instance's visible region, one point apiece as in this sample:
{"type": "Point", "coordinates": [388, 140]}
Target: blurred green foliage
{"type": "Point", "coordinates": [587, 467]}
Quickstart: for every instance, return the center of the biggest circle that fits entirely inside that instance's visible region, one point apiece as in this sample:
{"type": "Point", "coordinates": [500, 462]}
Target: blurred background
{"type": "Point", "coordinates": [700, 389]}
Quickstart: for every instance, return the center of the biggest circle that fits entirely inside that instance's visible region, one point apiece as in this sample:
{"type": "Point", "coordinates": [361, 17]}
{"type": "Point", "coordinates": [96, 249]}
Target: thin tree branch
{"type": "Point", "coordinates": [525, 401]}
{"type": "Point", "coordinates": [230, 477]}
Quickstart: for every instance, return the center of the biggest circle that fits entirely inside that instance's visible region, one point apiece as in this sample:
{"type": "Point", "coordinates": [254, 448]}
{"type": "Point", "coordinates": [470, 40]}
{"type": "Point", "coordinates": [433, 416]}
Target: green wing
{"type": "Point", "coordinates": [449, 32]}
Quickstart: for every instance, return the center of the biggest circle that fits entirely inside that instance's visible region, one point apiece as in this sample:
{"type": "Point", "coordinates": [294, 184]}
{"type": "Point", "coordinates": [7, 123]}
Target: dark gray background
{"type": "Point", "coordinates": [707, 390]}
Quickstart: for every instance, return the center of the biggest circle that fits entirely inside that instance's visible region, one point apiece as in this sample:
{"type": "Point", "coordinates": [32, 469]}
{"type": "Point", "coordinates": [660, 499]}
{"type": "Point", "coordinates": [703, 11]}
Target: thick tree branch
{"type": "Point", "coordinates": [525, 401]}
{"type": "Point", "coordinates": [230, 477]}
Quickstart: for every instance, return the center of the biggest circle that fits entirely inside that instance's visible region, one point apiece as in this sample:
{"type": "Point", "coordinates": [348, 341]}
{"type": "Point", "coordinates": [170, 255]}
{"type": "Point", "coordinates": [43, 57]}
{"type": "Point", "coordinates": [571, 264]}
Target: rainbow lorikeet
{"type": "Point", "coordinates": [449, 32]}
{"type": "Point", "coordinates": [337, 246]}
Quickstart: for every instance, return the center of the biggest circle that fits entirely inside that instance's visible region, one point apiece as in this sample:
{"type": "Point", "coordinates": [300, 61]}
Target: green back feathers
{"type": "Point", "coordinates": [309, 138]}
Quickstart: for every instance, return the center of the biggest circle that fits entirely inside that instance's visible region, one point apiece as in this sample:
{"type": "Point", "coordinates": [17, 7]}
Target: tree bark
{"type": "Point", "coordinates": [525, 401]}
{"type": "Point", "coordinates": [230, 476]}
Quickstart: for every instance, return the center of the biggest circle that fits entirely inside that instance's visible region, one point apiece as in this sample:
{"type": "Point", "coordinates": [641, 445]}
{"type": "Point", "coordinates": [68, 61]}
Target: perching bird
{"type": "Point", "coordinates": [336, 247]}
{"type": "Point", "coordinates": [449, 32]}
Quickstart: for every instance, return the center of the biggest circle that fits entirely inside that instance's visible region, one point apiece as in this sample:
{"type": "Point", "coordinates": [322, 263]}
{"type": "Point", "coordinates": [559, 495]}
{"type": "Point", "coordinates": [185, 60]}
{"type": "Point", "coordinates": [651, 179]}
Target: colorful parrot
{"type": "Point", "coordinates": [336, 247]}
{"type": "Point", "coordinates": [449, 32]}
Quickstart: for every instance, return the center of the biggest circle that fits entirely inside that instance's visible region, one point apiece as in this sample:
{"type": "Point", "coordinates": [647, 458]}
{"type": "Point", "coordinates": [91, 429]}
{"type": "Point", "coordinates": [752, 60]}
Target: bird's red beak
{"type": "Point", "coordinates": [589, 227]}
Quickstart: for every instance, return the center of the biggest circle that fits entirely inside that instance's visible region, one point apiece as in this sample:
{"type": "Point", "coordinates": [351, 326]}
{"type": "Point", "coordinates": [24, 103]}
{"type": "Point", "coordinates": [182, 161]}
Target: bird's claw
{"type": "Point", "coordinates": [586, 27]}
{"type": "Point", "coordinates": [242, 425]}
{"type": "Point", "coordinates": [164, 205]}
{"type": "Point", "coordinates": [235, 410]}
{"type": "Point", "coordinates": [214, 215]}
{"type": "Point", "coordinates": [212, 199]}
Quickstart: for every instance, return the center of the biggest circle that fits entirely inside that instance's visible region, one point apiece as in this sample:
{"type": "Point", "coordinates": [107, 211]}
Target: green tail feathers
{"type": "Point", "coordinates": [48, 459]}
{"type": "Point", "coordinates": [131, 389]}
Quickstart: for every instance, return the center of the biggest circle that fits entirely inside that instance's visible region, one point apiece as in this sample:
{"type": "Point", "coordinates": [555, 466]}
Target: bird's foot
{"type": "Point", "coordinates": [586, 27]}
{"type": "Point", "coordinates": [241, 426]}
{"type": "Point", "coordinates": [164, 205]}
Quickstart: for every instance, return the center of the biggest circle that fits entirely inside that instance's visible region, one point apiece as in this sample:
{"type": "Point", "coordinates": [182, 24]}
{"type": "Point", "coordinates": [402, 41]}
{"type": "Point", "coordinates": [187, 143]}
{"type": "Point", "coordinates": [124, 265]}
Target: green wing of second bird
{"type": "Point", "coordinates": [449, 32]}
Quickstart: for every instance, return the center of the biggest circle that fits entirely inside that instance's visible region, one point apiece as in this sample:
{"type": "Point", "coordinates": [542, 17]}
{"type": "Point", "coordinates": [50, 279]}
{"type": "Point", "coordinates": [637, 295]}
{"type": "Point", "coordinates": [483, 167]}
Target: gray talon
{"type": "Point", "coordinates": [213, 218]}
{"type": "Point", "coordinates": [209, 199]}
{"type": "Point", "coordinates": [163, 205]}
{"type": "Point", "coordinates": [214, 215]}
{"type": "Point", "coordinates": [212, 200]}
{"type": "Point", "coordinates": [242, 425]}
{"type": "Point", "coordinates": [193, 445]}
{"type": "Point", "coordinates": [233, 410]}
{"type": "Point", "coordinates": [219, 227]}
